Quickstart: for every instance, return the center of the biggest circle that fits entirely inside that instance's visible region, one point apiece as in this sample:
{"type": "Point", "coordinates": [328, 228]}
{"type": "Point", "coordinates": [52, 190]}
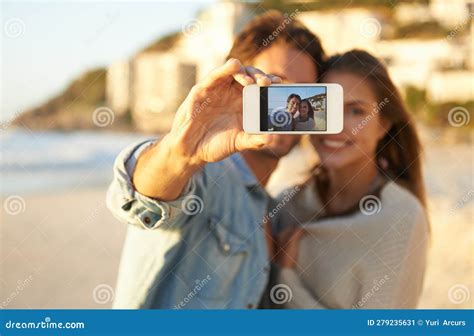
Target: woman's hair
{"type": "Point", "coordinates": [310, 108]}
{"type": "Point", "coordinates": [273, 26]}
{"type": "Point", "coordinates": [398, 153]}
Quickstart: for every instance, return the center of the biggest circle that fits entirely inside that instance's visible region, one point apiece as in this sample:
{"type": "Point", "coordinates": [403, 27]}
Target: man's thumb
{"type": "Point", "coordinates": [246, 141]}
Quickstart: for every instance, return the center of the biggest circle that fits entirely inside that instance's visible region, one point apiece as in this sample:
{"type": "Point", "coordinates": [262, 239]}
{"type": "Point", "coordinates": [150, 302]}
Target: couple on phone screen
{"type": "Point", "coordinates": [297, 115]}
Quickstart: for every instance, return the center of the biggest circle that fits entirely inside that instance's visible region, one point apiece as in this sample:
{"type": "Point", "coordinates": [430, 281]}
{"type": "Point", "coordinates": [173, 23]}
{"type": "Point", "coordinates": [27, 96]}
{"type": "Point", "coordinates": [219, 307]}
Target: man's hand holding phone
{"type": "Point", "coordinates": [207, 128]}
{"type": "Point", "coordinates": [208, 125]}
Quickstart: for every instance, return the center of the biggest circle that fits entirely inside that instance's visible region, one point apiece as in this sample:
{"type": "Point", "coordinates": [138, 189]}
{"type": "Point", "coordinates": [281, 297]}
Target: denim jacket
{"type": "Point", "coordinates": [206, 249]}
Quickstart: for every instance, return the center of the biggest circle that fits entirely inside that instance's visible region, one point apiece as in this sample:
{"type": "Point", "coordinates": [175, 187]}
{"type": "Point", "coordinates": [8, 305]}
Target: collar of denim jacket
{"type": "Point", "coordinates": [243, 170]}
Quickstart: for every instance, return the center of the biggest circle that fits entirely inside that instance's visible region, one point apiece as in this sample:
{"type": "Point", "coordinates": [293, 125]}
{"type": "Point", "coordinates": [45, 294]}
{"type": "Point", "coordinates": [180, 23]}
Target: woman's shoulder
{"type": "Point", "coordinates": [396, 195]}
{"type": "Point", "coordinates": [401, 208]}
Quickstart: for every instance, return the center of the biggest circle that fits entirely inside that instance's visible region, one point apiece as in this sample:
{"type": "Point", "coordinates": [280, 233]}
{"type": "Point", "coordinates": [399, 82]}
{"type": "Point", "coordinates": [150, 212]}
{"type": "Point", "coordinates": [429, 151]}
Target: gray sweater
{"type": "Point", "coordinates": [371, 260]}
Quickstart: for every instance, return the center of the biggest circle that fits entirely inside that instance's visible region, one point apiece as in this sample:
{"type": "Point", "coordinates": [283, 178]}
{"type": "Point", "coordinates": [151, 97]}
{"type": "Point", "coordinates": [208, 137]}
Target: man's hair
{"type": "Point", "coordinates": [293, 95]}
{"type": "Point", "coordinates": [273, 26]}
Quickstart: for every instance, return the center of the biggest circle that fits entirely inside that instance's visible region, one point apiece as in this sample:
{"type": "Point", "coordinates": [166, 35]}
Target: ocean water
{"type": "Point", "coordinates": [39, 162]}
{"type": "Point", "coordinates": [33, 162]}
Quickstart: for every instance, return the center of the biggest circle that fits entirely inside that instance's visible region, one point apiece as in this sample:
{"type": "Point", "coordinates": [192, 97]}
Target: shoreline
{"type": "Point", "coordinates": [447, 134]}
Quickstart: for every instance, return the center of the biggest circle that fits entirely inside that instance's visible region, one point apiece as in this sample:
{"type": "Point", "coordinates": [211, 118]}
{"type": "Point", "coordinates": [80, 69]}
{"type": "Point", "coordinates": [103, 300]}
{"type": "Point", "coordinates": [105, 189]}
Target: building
{"type": "Point", "coordinates": [152, 85]}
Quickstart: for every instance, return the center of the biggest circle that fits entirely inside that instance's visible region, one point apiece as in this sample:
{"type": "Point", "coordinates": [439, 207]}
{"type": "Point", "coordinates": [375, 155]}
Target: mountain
{"type": "Point", "coordinates": [73, 108]}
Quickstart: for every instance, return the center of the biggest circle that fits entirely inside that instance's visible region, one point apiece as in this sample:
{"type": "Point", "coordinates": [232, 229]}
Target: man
{"type": "Point", "coordinates": [283, 118]}
{"type": "Point", "coordinates": [205, 246]}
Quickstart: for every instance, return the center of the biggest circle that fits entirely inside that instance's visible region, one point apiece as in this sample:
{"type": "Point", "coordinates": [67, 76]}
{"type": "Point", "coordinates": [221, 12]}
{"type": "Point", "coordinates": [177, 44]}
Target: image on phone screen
{"type": "Point", "coordinates": [290, 108]}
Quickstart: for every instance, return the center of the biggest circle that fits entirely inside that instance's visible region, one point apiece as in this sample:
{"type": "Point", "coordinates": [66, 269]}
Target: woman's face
{"type": "Point", "coordinates": [363, 125]}
{"type": "Point", "coordinates": [304, 109]}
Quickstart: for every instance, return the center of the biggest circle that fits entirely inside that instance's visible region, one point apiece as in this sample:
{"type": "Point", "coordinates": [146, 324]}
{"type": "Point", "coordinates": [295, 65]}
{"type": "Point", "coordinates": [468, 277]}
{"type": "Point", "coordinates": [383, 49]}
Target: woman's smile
{"type": "Point", "coordinates": [328, 143]}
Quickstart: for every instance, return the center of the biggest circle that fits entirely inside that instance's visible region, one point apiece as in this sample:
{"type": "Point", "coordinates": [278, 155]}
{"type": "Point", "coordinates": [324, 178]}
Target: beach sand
{"type": "Point", "coordinates": [449, 280]}
{"type": "Point", "coordinates": [63, 250]}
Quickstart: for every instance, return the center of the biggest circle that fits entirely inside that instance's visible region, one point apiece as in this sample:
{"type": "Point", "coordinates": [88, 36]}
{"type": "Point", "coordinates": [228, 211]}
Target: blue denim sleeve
{"type": "Point", "coordinates": [131, 207]}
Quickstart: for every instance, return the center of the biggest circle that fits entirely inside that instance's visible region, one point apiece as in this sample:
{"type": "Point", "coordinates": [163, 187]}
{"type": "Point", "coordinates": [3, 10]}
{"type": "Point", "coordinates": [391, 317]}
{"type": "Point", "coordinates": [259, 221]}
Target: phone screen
{"type": "Point", "coordinates": [293, 108]}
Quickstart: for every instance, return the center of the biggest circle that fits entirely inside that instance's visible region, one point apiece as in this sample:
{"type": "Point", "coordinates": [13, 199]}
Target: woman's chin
{"type": "Point", "coordinates": [333, 159]}
{"type": "Point", "coordinates": [332, 163]}
{"type": "Point", "coordinates": [334, 154]}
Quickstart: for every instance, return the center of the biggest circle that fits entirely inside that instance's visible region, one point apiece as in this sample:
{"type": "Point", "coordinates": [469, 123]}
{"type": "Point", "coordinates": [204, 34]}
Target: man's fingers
{"type": "Point", "coordinates": [243, 75]}
{"type": "Point", "coordinates": [259, 76]}
{"type": "Point", "coordinates": [292, 237]}
{"type": "Point", "coordinates": [230, 68]}
{"type": "Point", "coordinates": [296, 234]}
{"type": "Point", "coordinates": [245, 141]}
{"type": "Point", "coordinates": [285, 234]}
{"type": "Point", "coordinates": [275, 79]}
{"type": "Point", "coordinates": [243, 79]}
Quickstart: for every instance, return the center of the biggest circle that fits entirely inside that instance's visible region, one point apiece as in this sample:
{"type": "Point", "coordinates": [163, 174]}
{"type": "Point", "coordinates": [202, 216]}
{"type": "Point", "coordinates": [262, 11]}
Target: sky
{"type": "Point", "coordinates": [44, 45]}
{"type": "Point", "coordinates": [277, 96]}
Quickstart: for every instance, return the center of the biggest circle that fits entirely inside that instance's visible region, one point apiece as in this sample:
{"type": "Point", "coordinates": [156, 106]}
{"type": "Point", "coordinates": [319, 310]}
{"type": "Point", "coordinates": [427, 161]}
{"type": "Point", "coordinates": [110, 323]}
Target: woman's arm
{"type": "Point", "coordinates": [299, 297]}
{"type": "Point", "coordinates": [289, 290]}
{"type": "Point", "coordinates": [394, 272]}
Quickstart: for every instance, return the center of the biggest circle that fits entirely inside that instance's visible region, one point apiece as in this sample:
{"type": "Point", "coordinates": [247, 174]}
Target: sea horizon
{"type": "Point", "coordinates": [44, 161]}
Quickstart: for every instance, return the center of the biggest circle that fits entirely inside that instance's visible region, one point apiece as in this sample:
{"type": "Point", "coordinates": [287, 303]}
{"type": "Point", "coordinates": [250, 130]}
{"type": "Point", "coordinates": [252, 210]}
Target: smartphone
{"type": "Point", "coordinates": [293, 109]}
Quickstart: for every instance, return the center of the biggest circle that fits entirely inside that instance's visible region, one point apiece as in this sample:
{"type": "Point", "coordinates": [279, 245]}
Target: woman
{"type": "Point", "coordinates": [305, 120]}
{"type": "Point", "coordinates": [364, 241]}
